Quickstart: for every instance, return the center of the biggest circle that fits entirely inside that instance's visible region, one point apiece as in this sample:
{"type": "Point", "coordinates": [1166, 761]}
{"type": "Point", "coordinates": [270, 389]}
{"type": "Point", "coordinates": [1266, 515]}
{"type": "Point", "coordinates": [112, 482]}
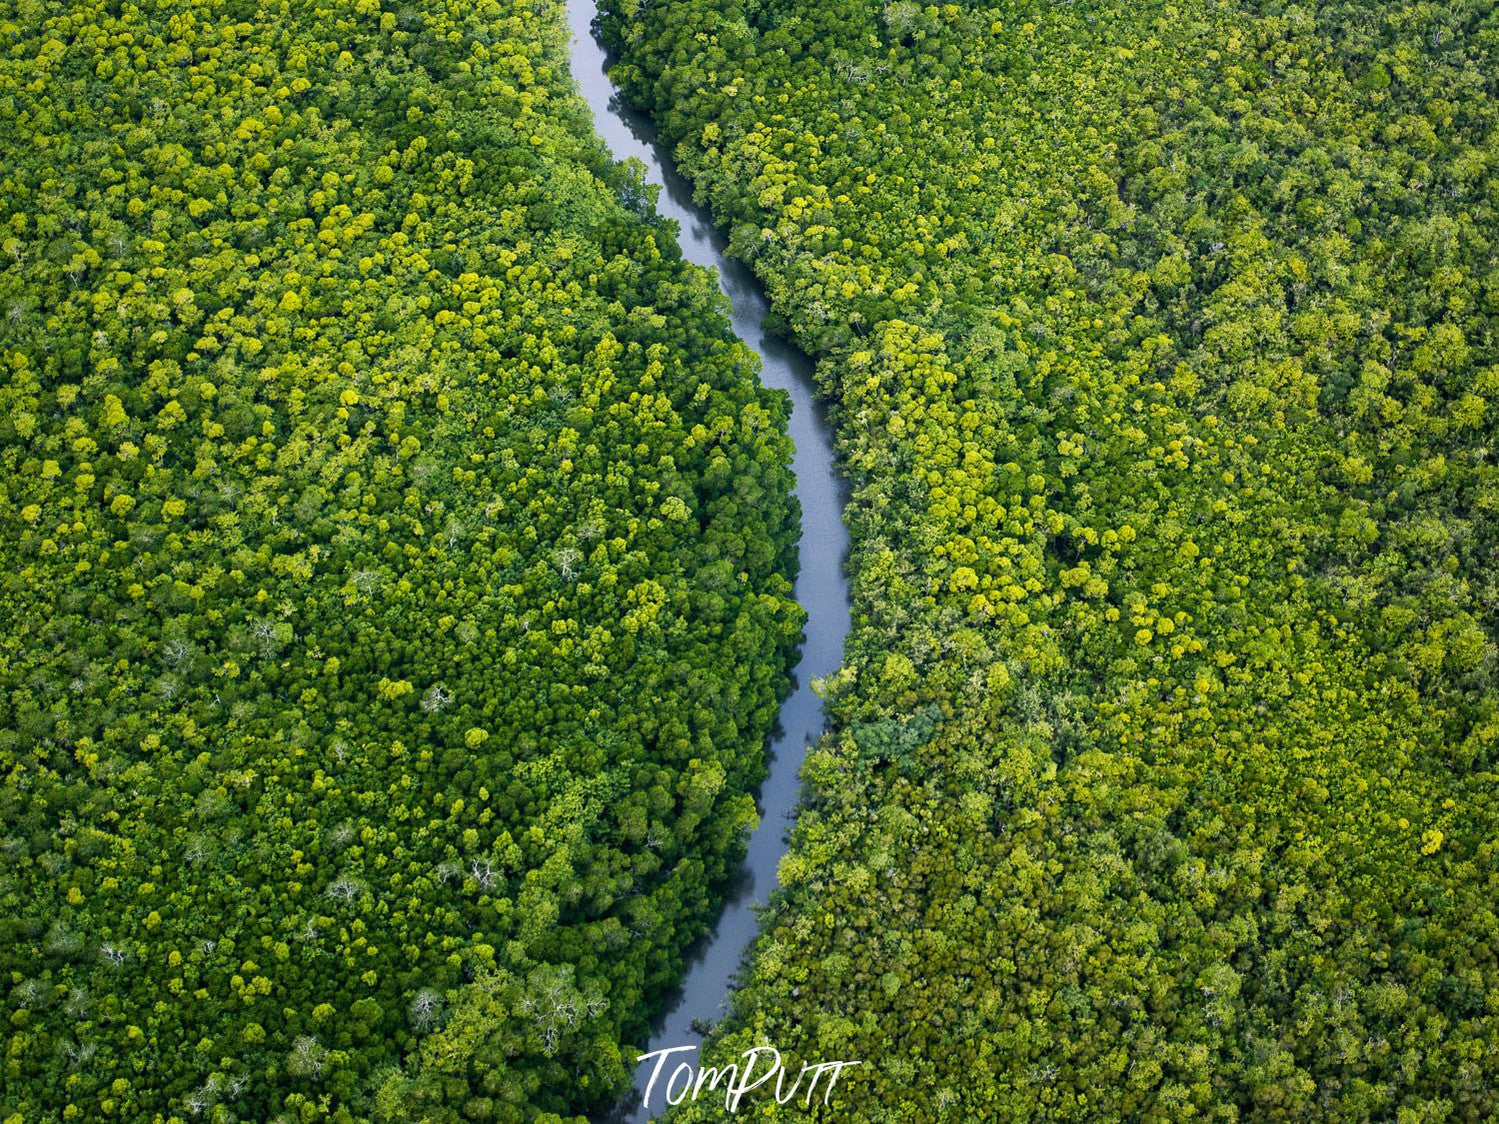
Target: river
{"type": "Point", "coordinates": [821, 586]}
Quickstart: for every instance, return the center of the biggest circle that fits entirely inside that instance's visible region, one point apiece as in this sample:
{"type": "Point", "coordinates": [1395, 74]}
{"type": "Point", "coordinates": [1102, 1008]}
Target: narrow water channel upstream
{"type": "Point", "coordinates": [821, 587]}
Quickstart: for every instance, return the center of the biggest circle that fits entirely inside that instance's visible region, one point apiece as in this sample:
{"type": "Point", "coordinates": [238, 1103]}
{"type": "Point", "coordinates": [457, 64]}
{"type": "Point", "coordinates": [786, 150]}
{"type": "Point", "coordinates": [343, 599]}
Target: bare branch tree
{"type": "Point", "coordinates": [436, 699]}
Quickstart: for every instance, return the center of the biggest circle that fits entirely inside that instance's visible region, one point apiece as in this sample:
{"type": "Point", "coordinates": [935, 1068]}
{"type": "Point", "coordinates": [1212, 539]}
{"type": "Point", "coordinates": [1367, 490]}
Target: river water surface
{"type": "Point", "coordinates": [820, 587]}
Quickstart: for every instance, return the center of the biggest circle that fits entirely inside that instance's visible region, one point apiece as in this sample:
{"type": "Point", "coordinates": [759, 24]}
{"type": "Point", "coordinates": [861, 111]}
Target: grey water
{"type": "Point", "coordinates": [821, 585]}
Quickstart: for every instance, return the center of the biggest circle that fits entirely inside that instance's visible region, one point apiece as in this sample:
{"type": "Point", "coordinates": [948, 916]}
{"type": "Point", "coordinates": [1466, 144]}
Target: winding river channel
{"type": "Point", "coordinates": [821, 587]}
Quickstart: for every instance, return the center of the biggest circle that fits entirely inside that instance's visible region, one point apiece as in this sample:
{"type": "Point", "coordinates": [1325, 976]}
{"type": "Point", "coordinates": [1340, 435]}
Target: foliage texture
{"type": "Point", "coordinates": [1162, 339]}
{"type": "Point", "coordinates": [397, 590]}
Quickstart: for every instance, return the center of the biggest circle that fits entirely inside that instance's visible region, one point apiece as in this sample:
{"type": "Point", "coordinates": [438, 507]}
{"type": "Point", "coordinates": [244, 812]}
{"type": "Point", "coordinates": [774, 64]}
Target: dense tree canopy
{"type": "Point", "coordinates": [397, 582]}
{"type": "Point", "coordinates": [1162, 339]}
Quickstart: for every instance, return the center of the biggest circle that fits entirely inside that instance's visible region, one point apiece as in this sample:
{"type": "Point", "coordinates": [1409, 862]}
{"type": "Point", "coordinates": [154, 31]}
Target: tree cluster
{"type": "Point", "coordinates": [1162, 344]}
{"type": "Point", "coordinates": [397, 583]}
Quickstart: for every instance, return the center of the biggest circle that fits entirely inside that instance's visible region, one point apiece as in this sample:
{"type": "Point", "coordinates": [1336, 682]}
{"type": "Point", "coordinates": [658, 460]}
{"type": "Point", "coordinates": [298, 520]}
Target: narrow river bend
{"type": "Point", "coordinates": [821, 587]}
